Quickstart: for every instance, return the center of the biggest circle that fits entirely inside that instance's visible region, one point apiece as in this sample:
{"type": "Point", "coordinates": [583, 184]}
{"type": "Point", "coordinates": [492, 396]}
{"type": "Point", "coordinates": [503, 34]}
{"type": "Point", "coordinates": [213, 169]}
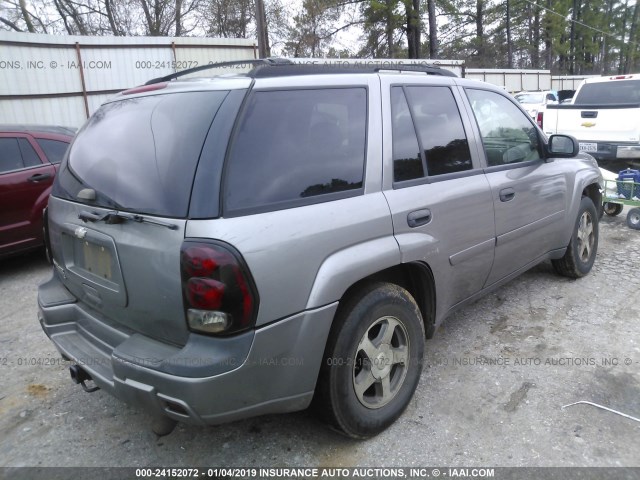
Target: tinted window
{"type": "Point", "coordinates": [609, 93]}
{"type": "Point", "coordinates": [296, 144]}
{"type": "Point", "coordinates": [407, 162]}
{"type": "Point", "coordinates": [141, 153]}
{"type": "Point", "coordinates": [10, 157]}
{"type": "Point", "coordinates": [29, 156]}
{"type": "Point", "coordinates": [53, 149]}
{"type": "Point", "coordinates": [507, 133]}
{"type": "Point", "coordinates": [440, 129]}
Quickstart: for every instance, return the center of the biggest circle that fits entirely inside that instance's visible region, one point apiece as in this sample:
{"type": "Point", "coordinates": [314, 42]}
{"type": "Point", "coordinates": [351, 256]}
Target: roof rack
{"type": "Point", "coordinates": [290, 68]}
{"type": "Point", "coordinates": [281, 67]}
{"type": "Point", "coordinates": [261, 61]}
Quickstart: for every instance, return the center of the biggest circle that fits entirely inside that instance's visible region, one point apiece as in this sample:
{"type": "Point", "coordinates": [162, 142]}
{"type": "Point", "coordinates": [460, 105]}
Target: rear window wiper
{"type": "Point", "coordinates": [114, 217]}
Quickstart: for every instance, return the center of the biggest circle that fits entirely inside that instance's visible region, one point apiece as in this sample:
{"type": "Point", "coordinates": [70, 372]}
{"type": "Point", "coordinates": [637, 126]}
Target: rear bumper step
{"type": "Point", "coordinates": [209, 380]}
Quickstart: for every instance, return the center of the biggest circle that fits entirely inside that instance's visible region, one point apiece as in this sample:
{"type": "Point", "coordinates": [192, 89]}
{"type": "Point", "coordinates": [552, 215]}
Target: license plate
{"type": "Point", "coordinates": [97, 259]}
{"type": "Point", "coordinates": [588, 147]}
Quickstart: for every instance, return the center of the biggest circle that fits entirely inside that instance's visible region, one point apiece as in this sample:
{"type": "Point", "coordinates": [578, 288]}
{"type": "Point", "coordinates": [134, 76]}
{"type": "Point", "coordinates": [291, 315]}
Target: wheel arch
{"type": "Point", "coordinates": [593, 191]}
{"type": "Point", "coordinates": [415, 277]}
{"type": "Point", "coordinates": [585, 186]}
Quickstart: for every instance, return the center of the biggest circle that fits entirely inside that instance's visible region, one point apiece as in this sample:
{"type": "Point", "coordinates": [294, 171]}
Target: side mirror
{"type": "Point", "coordinates": [562, 146]}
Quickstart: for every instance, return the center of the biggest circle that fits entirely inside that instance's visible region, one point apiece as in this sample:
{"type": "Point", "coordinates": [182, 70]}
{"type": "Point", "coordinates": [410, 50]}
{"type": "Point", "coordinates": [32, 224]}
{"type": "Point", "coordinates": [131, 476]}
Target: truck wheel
{"type": "Point", "coordinates": [612, 209]}
{"type": "Point", "coordinates": [581, 252]}
{"type": "Point", "coordinates": [633, 218]}
{"type": "Point", "coordinates": [373, 360]}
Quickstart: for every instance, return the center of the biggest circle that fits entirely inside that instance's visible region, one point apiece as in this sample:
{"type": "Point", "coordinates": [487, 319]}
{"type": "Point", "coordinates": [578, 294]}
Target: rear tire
{"type": "Point", "coordinates": [633, 218]}
{"type": "Point", "coordinates": [373, 360]}
{"type": "Point", "coordinates": [581, 252]}
{"type": "Point", "coordinates": [612, 209]}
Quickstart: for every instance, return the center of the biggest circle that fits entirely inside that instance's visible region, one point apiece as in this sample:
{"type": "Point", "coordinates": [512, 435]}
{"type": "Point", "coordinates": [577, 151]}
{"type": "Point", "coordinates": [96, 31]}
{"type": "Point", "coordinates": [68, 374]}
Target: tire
{"type": "Point", "coordinates": [581, 252]}
{"type": "Point", "coordinates": [633, 218]}
{"type": "Point", "coordinates": [362, 393]}
{"type": "Point", "coordinates": [612, 209]}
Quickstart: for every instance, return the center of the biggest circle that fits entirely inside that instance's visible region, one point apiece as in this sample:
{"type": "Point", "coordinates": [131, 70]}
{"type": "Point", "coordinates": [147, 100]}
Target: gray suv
{"type": "Point", "coordinates": [244, 244]}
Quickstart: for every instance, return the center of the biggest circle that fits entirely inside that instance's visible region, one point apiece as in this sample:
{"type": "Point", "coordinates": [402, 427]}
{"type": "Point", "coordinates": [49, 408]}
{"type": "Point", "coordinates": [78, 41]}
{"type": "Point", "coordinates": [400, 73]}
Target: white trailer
{"type": "Point", "coordinates": [568, 82]}
{"type": "Point", "coordinates": [512, 80]}
{"type": "Point", "coordinates": [61, 80]}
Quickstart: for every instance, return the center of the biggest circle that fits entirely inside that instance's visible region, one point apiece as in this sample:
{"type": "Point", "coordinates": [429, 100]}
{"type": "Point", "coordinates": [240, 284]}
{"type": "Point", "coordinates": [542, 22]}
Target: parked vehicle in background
{"type": "Point", "coordinates": [214, 261]}
{"type": "Point", "coordinates": [29, 159]}
{"type": "Point", "coordinates": [605, 118]}
{"type": "Point", "coordinates": [535, 103]}
{"type": "Point", "coordinates": [566, 96]}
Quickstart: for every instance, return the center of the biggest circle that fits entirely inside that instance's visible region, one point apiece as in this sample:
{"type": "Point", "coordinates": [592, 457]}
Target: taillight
{"type": "Point", "coordinates": [539, 119]}
{"type": "Point", "coordinates": [219, 295]}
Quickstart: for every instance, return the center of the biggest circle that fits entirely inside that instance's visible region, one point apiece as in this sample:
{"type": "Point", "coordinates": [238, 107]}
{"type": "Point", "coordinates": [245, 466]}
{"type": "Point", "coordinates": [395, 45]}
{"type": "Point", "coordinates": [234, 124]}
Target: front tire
{"type": "Point", "coordinates": [581, 252]}
{"type": "Point", "coordinates": [373, 360]}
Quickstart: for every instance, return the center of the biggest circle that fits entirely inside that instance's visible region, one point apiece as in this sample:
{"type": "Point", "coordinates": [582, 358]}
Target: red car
{"type": "Point", "coordinates": [29, 158]}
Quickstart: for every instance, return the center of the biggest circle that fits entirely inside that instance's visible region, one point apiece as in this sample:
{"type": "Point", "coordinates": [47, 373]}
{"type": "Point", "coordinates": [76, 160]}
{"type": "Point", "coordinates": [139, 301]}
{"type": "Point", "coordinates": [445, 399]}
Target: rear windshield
{"type": "Point", "coordinates": [609, 93]}
{"type": "Point", "coordinates": [140, 154]}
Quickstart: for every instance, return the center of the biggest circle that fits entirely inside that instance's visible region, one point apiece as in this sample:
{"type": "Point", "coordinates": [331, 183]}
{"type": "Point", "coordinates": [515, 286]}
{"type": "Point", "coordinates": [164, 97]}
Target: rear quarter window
{"type": "Point", "coordinates": [297, 147]}
{"type": "Point", "coordinates": [53, 149]}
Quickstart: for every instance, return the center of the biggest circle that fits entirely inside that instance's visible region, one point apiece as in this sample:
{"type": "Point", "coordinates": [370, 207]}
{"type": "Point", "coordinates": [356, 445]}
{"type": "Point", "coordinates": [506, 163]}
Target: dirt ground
{"type": "Point", "coordinates": [496, 377]}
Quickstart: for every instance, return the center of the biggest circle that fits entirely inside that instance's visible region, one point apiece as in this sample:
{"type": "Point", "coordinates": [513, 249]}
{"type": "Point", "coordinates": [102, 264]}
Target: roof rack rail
{"type": "Point", "coordinates": [262, 61]}
{"type": "Point", "coordinates": [285, 67]}
{"type": "Point", "coordinates": [289, 67]}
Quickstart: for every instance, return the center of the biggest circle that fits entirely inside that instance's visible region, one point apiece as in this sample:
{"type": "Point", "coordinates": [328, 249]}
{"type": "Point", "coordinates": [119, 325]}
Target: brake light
{"type": "Point", "coordinates": [218, 292]}
{"type": "Point", "coordinates": [539, 119]}
{"type": "Point", "coordinates": [621, 77]}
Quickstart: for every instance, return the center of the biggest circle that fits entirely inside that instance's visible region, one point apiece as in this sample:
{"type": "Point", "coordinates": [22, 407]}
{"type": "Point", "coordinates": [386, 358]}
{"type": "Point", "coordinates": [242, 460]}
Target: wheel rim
{"type": "Point", "coordinates": [586, 237]}
{"type": "Point", "coordinates": [634, 218]}
{"type": "Point", "coordinates": [381, 362]}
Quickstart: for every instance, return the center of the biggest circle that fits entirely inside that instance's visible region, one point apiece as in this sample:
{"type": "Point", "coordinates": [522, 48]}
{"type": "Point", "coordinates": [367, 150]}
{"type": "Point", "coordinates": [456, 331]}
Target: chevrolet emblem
{"type": "Point", "coordinates": [588, 124]}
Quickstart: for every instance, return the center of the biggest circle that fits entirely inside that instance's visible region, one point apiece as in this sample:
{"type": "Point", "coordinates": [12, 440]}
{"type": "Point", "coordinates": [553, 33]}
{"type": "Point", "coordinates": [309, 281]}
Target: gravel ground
{"type": "Point", "coordinates": [496, 376]}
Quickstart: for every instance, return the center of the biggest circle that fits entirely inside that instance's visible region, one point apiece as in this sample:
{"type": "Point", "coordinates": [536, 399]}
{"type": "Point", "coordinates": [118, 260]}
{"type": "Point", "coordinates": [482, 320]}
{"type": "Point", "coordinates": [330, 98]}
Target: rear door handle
{"type": "Point", "coordinates": [507, 194]}
{"type": "Point", "coordinates": [419, 218]}
{"type": "Point", "coordinates": [39, 177]}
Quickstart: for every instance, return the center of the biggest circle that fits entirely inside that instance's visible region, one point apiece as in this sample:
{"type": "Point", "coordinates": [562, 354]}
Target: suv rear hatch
{"type": "Point", "coordinates": [119, 206]}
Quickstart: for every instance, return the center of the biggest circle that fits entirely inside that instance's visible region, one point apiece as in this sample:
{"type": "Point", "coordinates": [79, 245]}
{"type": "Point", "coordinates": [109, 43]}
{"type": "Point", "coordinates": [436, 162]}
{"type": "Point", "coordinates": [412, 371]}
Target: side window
{"type": "Point", "coordinates": [441, 144]}
{"type": "Point", "coordinates": [439, 126]}
{"type": "Point", "coordinates": [10, 156]}
{"type": "Point", "coordinates": [508, 134]}
{"type": "Point", "coordinates": [29, 155]}
{"type": "Point", "coordinates": [407, 161]}
{"type": "Point", "coordinates": [53, 149]}
{"type": "Point", "coordinates": [296, 144]}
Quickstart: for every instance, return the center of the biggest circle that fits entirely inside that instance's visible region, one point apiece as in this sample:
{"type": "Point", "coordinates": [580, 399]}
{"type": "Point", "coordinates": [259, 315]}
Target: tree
{"type": "Point", "coordinates": [313, 28]}
{"type": "Point", "coordinates": [433, 29]}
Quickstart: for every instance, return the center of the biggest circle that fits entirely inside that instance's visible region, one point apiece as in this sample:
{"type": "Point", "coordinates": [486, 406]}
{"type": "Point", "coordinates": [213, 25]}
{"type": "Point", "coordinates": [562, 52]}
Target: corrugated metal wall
{"type": "Point", "coordinates": [57, 79]}
{"type": "Point", "coordinates": [512, 80]}
{"type": "Point", "coordinates": [568, 82]}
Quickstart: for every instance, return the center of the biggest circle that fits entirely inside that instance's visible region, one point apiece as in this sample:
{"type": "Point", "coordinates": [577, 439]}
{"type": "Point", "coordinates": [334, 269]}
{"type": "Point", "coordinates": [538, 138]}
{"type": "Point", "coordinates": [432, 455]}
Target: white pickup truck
{"type": "Point", "coordinates": [605, 118]}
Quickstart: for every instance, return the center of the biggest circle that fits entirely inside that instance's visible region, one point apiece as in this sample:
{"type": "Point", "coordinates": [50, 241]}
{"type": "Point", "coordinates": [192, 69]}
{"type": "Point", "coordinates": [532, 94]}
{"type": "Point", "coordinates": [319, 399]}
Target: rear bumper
{"type": "Point", "coordinates": [209, 380]}
{"type": "Point", "coordinates": [614, 150]}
